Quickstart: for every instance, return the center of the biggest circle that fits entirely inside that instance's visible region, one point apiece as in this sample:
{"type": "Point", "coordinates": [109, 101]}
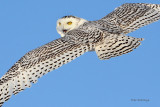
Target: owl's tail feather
{"type": "Point", "coordinates": [116, 45]}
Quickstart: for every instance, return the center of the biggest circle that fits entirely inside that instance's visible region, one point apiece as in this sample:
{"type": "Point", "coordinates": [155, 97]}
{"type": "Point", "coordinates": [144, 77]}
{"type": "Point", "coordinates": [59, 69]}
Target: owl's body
{"type": "Point", "coordinates": [106, 36]}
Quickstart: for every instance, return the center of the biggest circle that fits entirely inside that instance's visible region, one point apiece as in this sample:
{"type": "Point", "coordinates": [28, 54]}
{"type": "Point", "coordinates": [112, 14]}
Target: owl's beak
{"type": "Point", "coordinates": [64, 30]}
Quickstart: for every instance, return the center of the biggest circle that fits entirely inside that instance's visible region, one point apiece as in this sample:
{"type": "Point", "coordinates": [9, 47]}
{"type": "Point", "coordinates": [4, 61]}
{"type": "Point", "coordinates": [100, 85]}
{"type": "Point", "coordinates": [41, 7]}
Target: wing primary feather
{"type": "Point", "coordinates": [129, 17]}
{"type": "Point", "coordinates": [37, 63]}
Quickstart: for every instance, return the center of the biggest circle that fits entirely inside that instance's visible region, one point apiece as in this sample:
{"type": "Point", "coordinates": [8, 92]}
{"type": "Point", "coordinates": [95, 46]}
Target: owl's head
{"type": "Point", "coordinates": [68, 23]}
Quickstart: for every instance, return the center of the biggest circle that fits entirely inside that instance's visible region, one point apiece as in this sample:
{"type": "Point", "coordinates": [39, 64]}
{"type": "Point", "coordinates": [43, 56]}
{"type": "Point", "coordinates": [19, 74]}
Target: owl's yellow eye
{"type": "Point", "coordinates": [69, 23]}
{"type": "Point", "coordinates": [59, 23]}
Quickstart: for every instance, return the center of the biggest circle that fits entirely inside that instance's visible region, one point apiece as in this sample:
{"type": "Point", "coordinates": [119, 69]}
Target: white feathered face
{"type": "Point", "coordinates": [68, 23]}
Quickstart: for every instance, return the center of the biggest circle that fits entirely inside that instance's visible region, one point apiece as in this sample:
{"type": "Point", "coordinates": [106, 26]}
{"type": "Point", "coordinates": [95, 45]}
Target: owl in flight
{"type": "Point", "coordinates": [107, 37]}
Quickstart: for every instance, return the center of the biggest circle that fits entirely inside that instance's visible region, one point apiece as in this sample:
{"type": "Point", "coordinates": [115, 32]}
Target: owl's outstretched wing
{"type": "Point", "coordinates": [37, 63]}
{"type": "Point", "coordinates": [129, 17]}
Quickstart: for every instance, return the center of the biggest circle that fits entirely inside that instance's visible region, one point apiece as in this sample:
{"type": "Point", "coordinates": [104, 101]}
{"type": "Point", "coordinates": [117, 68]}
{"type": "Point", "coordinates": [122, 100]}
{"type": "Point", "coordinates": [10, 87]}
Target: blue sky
{"type": "Point", "coordinates": [86, 81]}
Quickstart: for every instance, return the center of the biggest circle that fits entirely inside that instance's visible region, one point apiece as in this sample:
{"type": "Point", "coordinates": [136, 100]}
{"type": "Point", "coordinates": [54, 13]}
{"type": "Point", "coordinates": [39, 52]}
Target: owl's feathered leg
{"type": "Point", "coordinates": [116, 45]}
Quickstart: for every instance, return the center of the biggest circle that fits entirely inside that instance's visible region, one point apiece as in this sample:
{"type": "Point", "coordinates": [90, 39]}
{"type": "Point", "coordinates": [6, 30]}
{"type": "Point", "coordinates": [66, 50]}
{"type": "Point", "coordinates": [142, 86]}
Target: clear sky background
{"type": "Point", "coordinates": [86, 81]}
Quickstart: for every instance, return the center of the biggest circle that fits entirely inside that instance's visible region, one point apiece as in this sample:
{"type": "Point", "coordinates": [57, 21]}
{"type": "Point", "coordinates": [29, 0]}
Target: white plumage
{"type": "Point", "coordinates": [68, 23]}
{"type": "Point", "coordinates": [106, 36]}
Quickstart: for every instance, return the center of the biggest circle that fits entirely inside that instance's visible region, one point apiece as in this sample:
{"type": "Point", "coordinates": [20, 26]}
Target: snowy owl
{"type": "Point", "coordinates": [106, 36]}
{"type": "Point", "coordinates": [68, 23]}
